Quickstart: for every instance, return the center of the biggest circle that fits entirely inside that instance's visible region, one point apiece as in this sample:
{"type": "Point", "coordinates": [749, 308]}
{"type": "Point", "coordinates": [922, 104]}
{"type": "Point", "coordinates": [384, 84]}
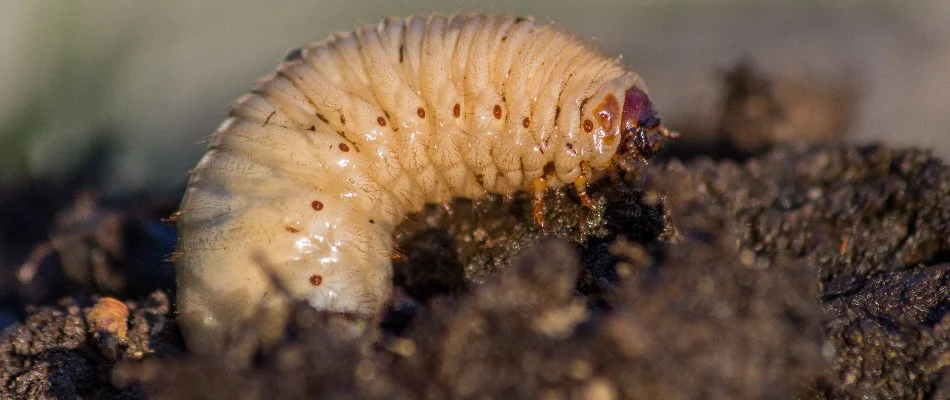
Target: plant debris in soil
{"type": "Point", "coordinates": [815, 271]}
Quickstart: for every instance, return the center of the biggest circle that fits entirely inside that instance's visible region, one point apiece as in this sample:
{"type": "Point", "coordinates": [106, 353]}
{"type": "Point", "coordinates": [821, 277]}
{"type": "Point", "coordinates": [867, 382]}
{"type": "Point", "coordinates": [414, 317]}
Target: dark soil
{"type": "Point", "coordinates": [768, 271]}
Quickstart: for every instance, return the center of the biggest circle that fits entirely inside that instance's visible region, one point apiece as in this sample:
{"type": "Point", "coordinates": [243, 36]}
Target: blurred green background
{"type": "Point", "coordinates": [141, 84]}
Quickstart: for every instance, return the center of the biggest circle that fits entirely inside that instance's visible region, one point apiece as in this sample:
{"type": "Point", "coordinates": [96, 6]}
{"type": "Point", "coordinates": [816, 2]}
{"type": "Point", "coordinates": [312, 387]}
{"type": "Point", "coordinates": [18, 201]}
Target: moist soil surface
{"type": "Point", "coordinates": [774, 270]}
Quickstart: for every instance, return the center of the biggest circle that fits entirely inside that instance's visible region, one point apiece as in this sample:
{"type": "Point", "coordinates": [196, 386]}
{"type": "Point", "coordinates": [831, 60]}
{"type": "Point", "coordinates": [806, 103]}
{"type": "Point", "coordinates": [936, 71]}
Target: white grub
{"type": "Point", "coordinates": [317, 165]}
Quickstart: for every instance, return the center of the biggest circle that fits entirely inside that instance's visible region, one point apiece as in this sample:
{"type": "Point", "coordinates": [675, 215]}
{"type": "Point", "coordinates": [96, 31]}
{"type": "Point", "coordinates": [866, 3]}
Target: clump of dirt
{"type": "Point", "coordinates": [527, 331]}
{"type": "Point", "coordinates": [57, 240]}
{"type": "Point", "coordinates": [803, 272]}
{"type": "Point", "coordinates": [874, 221]}
{"type": "Point", "coordinates": [54, 354]}
{"type": "Point", "coordinates": [758, 112]}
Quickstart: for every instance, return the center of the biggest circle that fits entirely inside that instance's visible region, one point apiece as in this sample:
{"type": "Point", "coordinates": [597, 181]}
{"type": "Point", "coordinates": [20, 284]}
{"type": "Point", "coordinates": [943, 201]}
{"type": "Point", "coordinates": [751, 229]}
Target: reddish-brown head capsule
{"type": "Point", "coordinates": [640, 130]}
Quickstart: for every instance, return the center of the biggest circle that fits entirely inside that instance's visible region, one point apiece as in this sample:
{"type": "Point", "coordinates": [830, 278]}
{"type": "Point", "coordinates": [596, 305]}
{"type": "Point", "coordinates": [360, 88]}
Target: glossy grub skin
{"type": "Point", "coordinates": [302, 186]}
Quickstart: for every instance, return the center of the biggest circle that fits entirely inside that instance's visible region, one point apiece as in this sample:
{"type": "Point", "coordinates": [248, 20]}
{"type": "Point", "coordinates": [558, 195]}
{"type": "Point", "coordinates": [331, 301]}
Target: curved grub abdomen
{"type": "Point", "coordinates": [301, 188]}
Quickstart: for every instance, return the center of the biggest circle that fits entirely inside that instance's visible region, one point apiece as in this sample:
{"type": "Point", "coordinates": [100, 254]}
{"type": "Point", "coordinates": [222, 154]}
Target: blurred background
{"type": "Point", "coordinates": [136, 86]}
